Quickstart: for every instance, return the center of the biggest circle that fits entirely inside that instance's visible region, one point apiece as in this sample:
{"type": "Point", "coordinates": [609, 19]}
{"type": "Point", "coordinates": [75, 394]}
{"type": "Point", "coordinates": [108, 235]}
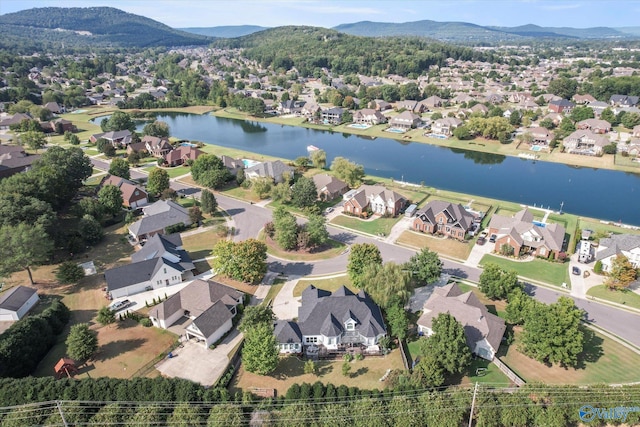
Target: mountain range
{"type": "Point", "coordinates": [106, 26]}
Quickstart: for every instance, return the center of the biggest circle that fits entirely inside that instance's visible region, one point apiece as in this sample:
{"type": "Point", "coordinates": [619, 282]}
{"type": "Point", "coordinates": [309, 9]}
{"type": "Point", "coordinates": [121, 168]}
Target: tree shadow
{"type": "Point", "coordinates": [116, 348]}
{"type": "Point", "coordinates": [344, 237]}
{"type": "Point", "coordinates": [289, 366]}
{"type": "Point", "coordinates": [235, 211]}
{"type": "Point", "coordinates": [361, 371]}
{"type": "Point", "coordinates": [291, 268]}
{"type": "Point", "coordinates": [592, 349]}
{"type": "Point", "coordinates": [457, 272]}
{"type": "Point", "coordinates": [126, 324]}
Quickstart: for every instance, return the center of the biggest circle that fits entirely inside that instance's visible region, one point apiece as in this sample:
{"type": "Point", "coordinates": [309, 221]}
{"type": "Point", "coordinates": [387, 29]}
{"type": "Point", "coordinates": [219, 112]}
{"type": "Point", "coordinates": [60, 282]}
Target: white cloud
{"type": "Point", "coordinates": [561, 6]}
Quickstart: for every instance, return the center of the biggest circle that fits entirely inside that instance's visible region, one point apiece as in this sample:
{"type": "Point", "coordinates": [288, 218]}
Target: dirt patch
{"type": "Point", "coordinates": [241, 286]}
{"type": "Point", "coordinates": [365, 373]}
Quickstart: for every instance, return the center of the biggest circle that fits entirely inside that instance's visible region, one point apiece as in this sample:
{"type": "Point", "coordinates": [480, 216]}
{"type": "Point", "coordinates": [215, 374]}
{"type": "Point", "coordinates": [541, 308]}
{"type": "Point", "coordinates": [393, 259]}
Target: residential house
{"type": "Point", "coordinates": [16, 302]}
{"type": "Point", "coordinates": [585, 142]}
{"type": "Point", "coordinates": [16, 119]}
{"type": "Point", "coordinates": [376, 199]}
{"type": "Point", "coordinates": [290, 107]}
{"type": "Point", "coordinates": [137, 147]}
{"type": "Point", "coordinates": [432, 102]}
{"type": "Point", "coordinates": [598, 107]}
{"type": "Point", "coordinates": [618, 244]}
{"type": "Point", "coordinates": [623, 100]}
{"type": "Point", "coordinates": [526, 236]}
{"type": "Point", "coordinates": [59, 125]}
{"type": "Point", "coordinates": [636, 132]}
{"type": "Point", "coordinates": [330, 322]}
{"type": "Point", "coordinates": [494, 98]}
{"type": "Point", "coordinates": [479, 108]}
{"type": "Point", "coordinates": [54, 107]}
{"type": "Point", "coordinates": [462, 98]}
{"type": "Point", "coordinates": [540, 136]}
{"type": "Point", "coordinates": [13, 159]}
{"type": "Point", "coordinates": [233, 165]}
{"type": "Point", "coordinates": [631, 148]}
{"type": "Point", "coordinates": [332, 115]}
{"type": "Point", "coordinates": [405, 120]}
{"type": "Point", "coordinates": [380, 105]}
{"type": "Point", "coordinates": [555, 118]}
{"type": "Point", "coordinates": [409, 105]}
{"type": "Point", "coordinates": [483, 330]}
{"type": "Point", "coordinates": [561, 106]}
{"type": "Point", "coordinates": [157, 147]}
{"type": "Point", "coordinates": [329, 187]}
{"type": "Point", "coordinates": [583, 99]}
{"type": "Point", "coordinates": [181, 155]}
{"type": "Point", "coordinates": [208, 306]}
{"type": "Point", "coordinates": [118, 139]}
{"type": "Point", "coordinates": [156, 217]}
{"type": "Point", "coordinates": [273, 170]}
{"type": "Point", "coordinates": [310, 109]}
{"type": "Point", "coordinates": [160, 263]}
{"type": "Point", "coordinates": [369, 116]}
{"type": "Point", "coordinates": [445, 125]}
{"type": "Point", "coordinates": [133, 196]}
{"type": "Point", "coordinates": [594, 125]}
{"type": "Point", "coordinates": [445, 218]}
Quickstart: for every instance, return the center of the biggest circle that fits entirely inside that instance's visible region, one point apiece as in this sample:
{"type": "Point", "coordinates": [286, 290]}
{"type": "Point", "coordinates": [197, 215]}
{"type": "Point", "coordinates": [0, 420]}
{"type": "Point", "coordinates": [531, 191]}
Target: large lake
{"type": "Point", "coordinates": [596, 193]}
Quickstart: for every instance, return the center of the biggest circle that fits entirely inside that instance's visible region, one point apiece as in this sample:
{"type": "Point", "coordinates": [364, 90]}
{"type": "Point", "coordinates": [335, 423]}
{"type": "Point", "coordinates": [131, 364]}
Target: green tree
{"type": "Point", "coordinates": [106, 316]}
{"type": "Point", "coordinates": [347, 171]}
{"type": "Point", "coordinates": [120, 167]}
{"type": "Point", "coordinates": [281, 193]}
{"type": "Point", "coordinates": [158, 181]}
{"type": "Point", "coordinates": [547, 124]}
{"type": "Point", "coordinates": [119, 120]}
{"type": "Point", "coordinates": [462, 133]}
{"type": "Point", "coordinates": [398, 320]}
{"type": "Point", "coordinates": [608, 115]}
{"type": "Point", "coordinates": [519, 306]}
{"type": "Point", "coordinates": [69, 272]}
{"type": "Point", "coordinates": [361, 255]}
{"type": "Point", "coordinates": [425, 266]}
{"type": "Point", "coordinates": [346, 368]}
{"type": "Point", "coordinates": [304, 192]}
{"type": "Point", "coordinates": [195, 215]}
{"type": "Point", "coordinates": [16, 207]}
{"type": "Point", "coordinates": [621, 273]}
{"type": "Point", "coordinates": [319, 159]}
{"type": "Point", "coordinates": [630, 120]}
{"type": "Point", "coordinates": [448, 343]}
{"type": "Point", "coordinates": [310, 367]}
{"type": "Point", "coordinates": [110, 197]}
{"type": "Point", "coordinates": [254, 315]}
{"type": "Point", "coordinates": [209, 171]}
{"type": "Point", "coordinates": [579, 114]}
{"type": "Point", "coordinates": [260, 351]}
{"type": "Point", "coordinates": [317, 229]}
{"type": "Point", "coordinates": [245, 261]}
{"type": "Point", "coordinates": [286, 230]}
{"type": "Point", "coordinates": [515, 118]}
{"type": "Point", "coordinates": [497, 283]}
{"type": "Point", "coordinates": [226, 414]}
{"type": "Point", "coordinates": [208, 202]}
{"type": "Point", "coordinates": [23, 246]}
{"type": "Point", "coordinates": [33, 139]}
{"type": "Point", "coordinates": [262, 186]}
{"type": "Point", "coordinates": [157, 128]}
{"type": "Point", "coordinates": [553, 333]}
{"type": "Point", "coordinates": [82, 342]}
{"type": "Point", "coordinates": [90, 229]}
{"type": "Point", "coordinates": [386, 284]}
{"type": "Point", "coordinates": [564, 87]}
{"type": "Point", "coordinates": [186, 414]}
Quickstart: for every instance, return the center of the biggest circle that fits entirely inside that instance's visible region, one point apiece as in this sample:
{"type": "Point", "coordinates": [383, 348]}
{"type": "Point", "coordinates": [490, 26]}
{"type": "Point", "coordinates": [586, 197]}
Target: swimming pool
{"type": "Point", "coordinates": [359, 126]}
{"type": "Point", "coordinates": [188, 144]}
{"type": "Point", "coordinates": [395, 130]}
{"type": "Point", "coordinates": [435, 135]}
{"type": "Point", "coordinates": [536, 148]}
{"type": "Point", "coordinates": [539, 224]}
{"type": "Point", "coordinates": [249, 163]}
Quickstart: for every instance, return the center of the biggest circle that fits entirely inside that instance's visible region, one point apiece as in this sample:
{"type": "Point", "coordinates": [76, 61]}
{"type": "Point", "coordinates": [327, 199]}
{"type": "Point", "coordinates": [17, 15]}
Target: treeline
{"type": "Point", "coordinates": [27, 341]}
{"type": "Point", "coordinates": [310, 48]}
{"type": "Point", "coordinates": [144, 401]}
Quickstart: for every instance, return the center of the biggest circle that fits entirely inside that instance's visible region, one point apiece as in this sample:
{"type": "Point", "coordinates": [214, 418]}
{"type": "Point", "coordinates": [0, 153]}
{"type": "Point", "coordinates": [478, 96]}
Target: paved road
{"type": "Point", "coordinates": [249, 219]}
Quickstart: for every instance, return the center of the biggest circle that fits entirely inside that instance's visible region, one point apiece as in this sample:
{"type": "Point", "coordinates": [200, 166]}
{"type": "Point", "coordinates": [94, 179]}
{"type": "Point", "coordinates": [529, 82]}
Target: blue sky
{"type": "Point", "coordinates": [329, 13]}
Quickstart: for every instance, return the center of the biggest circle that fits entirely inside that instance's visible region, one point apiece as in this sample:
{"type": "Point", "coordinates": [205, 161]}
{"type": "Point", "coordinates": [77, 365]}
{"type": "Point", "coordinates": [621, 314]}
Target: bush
{"type": "Point", "coordinates": [146, 322]}
{"type": "Point", "coordinates": [69, 272]}
{"type": "Point", "coordinates": [597, 267]}
{"type": "Point", "coordinates": [347, 357]}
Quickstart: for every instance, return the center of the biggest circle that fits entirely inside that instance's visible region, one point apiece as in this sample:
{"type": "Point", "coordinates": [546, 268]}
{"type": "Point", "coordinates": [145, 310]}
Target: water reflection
{"type": "Point", "coordinates": [481, 158]}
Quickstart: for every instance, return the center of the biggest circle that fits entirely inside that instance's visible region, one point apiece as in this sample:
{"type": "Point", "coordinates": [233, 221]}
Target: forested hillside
{"type": "Point", "coordinates": [106, 25]}
{"type": "Point", "coordinates": [311, 48]}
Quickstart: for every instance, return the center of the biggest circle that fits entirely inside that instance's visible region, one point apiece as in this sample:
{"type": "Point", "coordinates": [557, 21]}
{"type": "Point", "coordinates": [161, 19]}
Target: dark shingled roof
{"type": "Point", "coordinates": [16, 297]}
{"type": "Point", "coordinates": [287, 332]}
{"type": "Point", "coordinates": [166, 247]}
{"type": "Point", "coordinates": [212, 318]}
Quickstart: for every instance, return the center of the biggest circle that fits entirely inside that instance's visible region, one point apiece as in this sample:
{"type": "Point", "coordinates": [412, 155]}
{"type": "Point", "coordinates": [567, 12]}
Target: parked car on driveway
{"type": "Point", "coordinates": [481, 241]}
{"type": "Point", "coordinates": [120, 305]}
{"type": "Point", "coordinates": [575, 270]}
{"type": "Point", "coordinates": [493, 238]}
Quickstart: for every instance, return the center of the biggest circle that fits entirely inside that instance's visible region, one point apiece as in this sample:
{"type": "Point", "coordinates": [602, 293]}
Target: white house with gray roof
{"type": "Point", "coordinates": [483, 330]}
{"type": "Point", "coordinates": [161, 262]}
{"type": "Point", "coordinates": [619, 244]}
{"type": "Point", "coordinates": [157, 217]}
{"type": "Point", "coordinates": [332, 321]}
{"type": "Point", "coordinates": [208, 306]}
{"type": "Point", "coordinates": [16, 302]}
{"type": "Point", "coordinates": [273, 170]}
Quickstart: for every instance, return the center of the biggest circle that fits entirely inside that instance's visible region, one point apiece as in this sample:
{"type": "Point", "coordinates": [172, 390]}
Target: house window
{"type": "Point", "coordinates": [350, 326]}
{"type": "Point", "coordinates": [440, 220]}
{"type": "Point", "coordinates": [311, 340]}
{"type": "Point", "coordinates": [542, 251]}
{"type": "Point", "coordinates": [165, 270]}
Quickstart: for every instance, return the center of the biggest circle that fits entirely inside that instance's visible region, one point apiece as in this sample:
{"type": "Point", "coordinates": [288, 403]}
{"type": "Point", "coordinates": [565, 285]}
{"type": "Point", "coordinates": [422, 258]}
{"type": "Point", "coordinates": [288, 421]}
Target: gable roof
{"type": "Point", "coordinates": [328, 182]}
{"type": "Point", "coordinates": [287, 332]}
{"type": "Point", "coordinates": [14, 298]}
{"type": "Point", "coordinates": [210, 320]}
{"type": "Point", "coordinates": [616, 244]}
{"type": "Point", "coordinates": [270, 169]}
{"type": "Point", "coordinates": [160, 215]}
{"type": "Point", "coordinates": [167, 247]}
{"type": "Point", "coordinates": [476, 320]}
{"type": "Point", "coordinates": [456, 214]}
{"type": "Point", "coordinates": [132, 274]}
{"type": "Point", "coordinates": [128, 188]}
{"type": "Point", "coordinates": [521, 225]}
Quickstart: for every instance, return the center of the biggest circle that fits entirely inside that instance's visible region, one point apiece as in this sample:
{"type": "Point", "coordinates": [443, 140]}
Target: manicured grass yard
{"type": "Point", "coordinates": [173, 172]}
{"type": "Point", "coordinates": [331, 249]}
{"type": "Point", "coordinates": [604, 361]}
{"type": "Point", "coordinates": [330, 284]}
{"type": "Point", "coordinates": [626, 297]}
{"type": "Point", "coordinates": [365, 374]}
{"type": "Point", "coordinates": [377, 226]}
{"type": "Point", "coordinates": [199, 245]}
{"type": "Point", "coordinates": [447, 247]}
{"type": "Point", "coordinates": [537, 269]}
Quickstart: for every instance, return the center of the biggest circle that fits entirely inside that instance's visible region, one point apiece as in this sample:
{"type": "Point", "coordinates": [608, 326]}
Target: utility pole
{"type": "Point", "coordinates": [473, 404]}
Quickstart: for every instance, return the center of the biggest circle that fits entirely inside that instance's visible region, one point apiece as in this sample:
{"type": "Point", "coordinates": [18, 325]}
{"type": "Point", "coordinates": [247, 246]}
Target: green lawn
{"type": "Point", "coordinates": [537, 269]}
{"type": "Point", "coordinates": [330, 284]}
{"type": "Point", "coordinates": [332, 249]}
{"type": "Point", "coordinates": [273, 291]}
{"type": "Point", "coordinates": [625, 297]}
{"type": "Point", "coordinates": [199, 245]}
{"type": "Point", "coordinates": [447, 247]}
{"type": "Point", "coordinates": [378, 226]}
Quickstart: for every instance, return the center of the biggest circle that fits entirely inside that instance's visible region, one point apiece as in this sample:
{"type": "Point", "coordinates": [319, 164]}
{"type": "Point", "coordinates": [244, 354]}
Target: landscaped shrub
{"type": "Point", "coordinates": [146, 322]}
{"type": "Point", "coordinates": [597, 267]}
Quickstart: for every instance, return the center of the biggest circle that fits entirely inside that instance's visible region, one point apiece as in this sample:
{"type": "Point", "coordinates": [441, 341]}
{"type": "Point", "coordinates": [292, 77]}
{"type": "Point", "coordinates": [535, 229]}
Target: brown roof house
{"type": "Point", "coordinates": [594, 125]}
{"type": "Point", "coordinates": [329, 187]}
{"type": "Point", "coordinates": [374, 198]}
{"type": "Point", "coordinates": [540, 136]}
{"type": "Point", "coordinates": [209, 308]}
{"type": "Point", "coordinates": [133, 196]}
{"type": "Point", "coordinates": [585, 142]}
{"type": "Point", "coordinates": [181, 155]}
{"type": "Point", "coordinates": [445, 125]}
{"type": "Point", "coordinates": [14, 159]}
{"type": "Point", "coordinates": [16, 302]}
{"type": "Point", "coordinates": [448, 219]}
{"type": "Point", "coordinates": [482, 329]}
{"type": "Point", "coordinates": [524, 236]}
{"type": "Point", "coordinates": [157, 147]}
{"type": "Point", "coordinates": [233, 165]}
{"type": "Point", "coordinates": [369, 116]}
{"type": "Point", "coordinates": [405, 120]}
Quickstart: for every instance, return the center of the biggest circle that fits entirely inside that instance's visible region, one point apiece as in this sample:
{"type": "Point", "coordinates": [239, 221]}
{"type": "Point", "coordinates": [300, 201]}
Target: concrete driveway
{"type": "Point", "coordinates": [285, 305]}
{"type": "Point", "coordinates": [196, 363]}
